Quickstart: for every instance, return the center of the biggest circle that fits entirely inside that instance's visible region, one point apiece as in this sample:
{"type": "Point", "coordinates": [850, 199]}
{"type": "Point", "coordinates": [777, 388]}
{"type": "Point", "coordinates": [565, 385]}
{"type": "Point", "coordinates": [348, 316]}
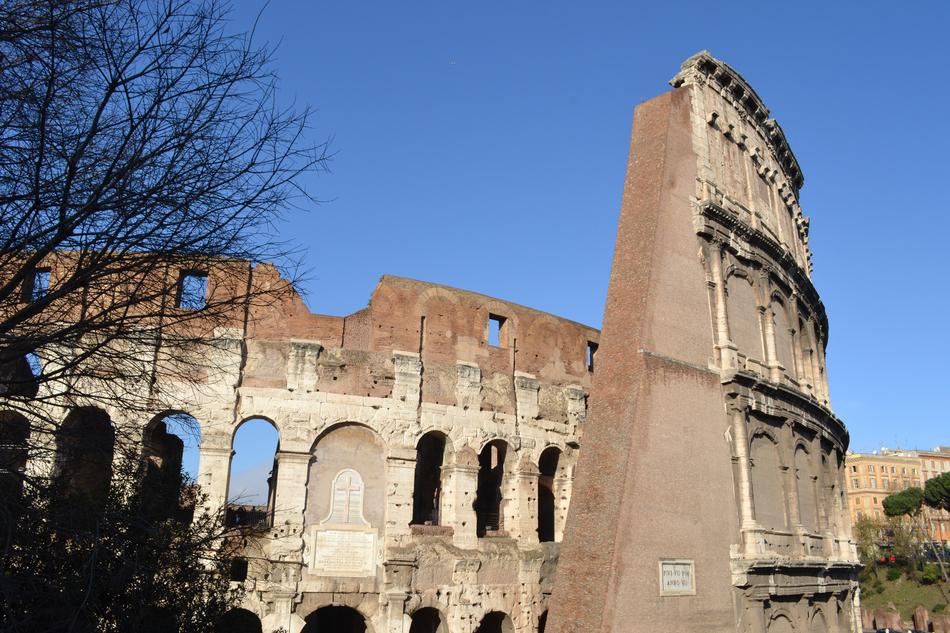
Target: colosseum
{"type": "Point", "coordinates": [428, 443]}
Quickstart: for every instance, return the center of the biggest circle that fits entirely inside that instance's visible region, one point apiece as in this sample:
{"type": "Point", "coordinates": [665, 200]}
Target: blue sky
{"type": "Point", "coordinates": [483, 145]}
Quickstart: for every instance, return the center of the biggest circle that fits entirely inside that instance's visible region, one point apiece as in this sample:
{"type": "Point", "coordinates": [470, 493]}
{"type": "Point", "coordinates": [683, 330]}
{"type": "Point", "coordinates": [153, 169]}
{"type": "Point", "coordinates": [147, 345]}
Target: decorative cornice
{"type": "Point", "coordinates": [703, 68]}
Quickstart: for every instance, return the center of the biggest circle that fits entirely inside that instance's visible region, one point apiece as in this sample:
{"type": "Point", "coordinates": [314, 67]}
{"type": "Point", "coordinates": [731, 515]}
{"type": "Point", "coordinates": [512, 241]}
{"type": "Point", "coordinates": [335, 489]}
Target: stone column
{"type": "Point", "coordinates": [727, 349]}
{"type": "Point", "coordinates": [400, 480]}
{"type": "Point", "coordinates": [768, 321]}
{"type": "Point", "coordinates": [521, 519]}
{"type": "Point", "coordinates": [563, 487]}
{"type": "Point", "coordinates": [740, 435]}
{"type": "Point", "coordinates": [290, 494]}
{"type": "Point", "coordinates": [460, 482]}
{"type": "Point", "coordinates": [214, 470]}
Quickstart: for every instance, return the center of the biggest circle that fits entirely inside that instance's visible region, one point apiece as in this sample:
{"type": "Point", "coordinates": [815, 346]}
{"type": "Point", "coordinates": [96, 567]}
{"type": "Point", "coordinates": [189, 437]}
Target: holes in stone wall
{"type": "Point", "coordinates": [488, 498]}
{"type": "Point", "coordinates": [427, 490]}
{"type": "Point", "coordinates": [497, 330]}
{"type": "Point", "coordinates": [192, 290]}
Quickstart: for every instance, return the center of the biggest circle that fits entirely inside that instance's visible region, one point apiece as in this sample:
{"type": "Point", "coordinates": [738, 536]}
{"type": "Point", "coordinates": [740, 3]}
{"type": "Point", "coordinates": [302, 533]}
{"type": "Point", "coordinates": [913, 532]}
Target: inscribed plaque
{"type": "Point", "coordinates": [677, 577]}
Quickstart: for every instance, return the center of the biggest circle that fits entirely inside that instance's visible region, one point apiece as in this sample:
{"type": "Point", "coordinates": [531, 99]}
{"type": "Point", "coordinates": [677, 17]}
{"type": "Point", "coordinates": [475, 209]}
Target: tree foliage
{"type": "Point", "coordinates": [907, 502]}
{"type": "Point", "coordinates": [937, 492]}
{"type": "Point", "coordinates": [142, 145]}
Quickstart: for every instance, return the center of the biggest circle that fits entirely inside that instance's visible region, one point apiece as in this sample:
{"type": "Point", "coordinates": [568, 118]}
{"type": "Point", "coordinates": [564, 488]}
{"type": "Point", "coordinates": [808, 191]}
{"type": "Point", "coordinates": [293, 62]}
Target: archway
{"type": "Point", "coordinates": [427, 620]}
{"type": "Point", "coordinates": [547, 470]}
{"type": "Point", "coordinates": [170, 455]}
{"type": "Point", "coordinates": [427, 489]}
{"type": "Point", "coordinates": [491, 473]}
{"type": "Point", "coordinates": [807, 503]}
{"type": "Point", "coordinates": [253, 474]}
{"type": "Point", "coordinates": [818, 624]}
{"type": "Point", "coordinates": [335, 620]}
{"type": "Point", "coordinates": [781, 624]}
{"type": "Point", "coordinates": [542, 622]}
{"type": "Point", "coordinates": [84, 449]}
{"type": "Point", "coordinates": [768, 494]}
{"type": "Point", "coordinates": [239, 621]}
{"type": "Point", "coordinates": [14, 433]}
{"type": "Point", "coordinates": [495, 622]}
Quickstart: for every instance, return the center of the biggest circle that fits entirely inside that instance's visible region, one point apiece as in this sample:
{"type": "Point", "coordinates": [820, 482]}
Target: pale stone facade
{"type": "Point", "coordinates": [423, 474]}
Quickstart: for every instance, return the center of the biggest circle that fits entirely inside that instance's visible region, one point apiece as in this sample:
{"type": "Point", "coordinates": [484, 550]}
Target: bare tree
{"type": "Point", "coordinates": [144, 162]}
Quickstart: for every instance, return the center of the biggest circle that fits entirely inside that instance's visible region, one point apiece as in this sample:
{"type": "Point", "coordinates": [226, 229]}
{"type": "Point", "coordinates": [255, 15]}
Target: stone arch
{"type": "Point", "coordinates": [768, 493]}
{"type": "Point", "coordinates": [548, 468]}
{"type": "Point", "coordinates": [742, 312]}
{"type": "Point", "coordinates": [252, 475]}
{"type": "Point", "coordinates": [335, 619]}
{"type": "Point", "coordinates": [341, 447]}
{"type": "Point", "coordinates": [85, 444]}
{"type": "Point", "coordinates": [818, 623]}
{"type": "Point", "coordinates": [781, 622]}
{"type": "Point", "coordinates": [239, 621]}
{"type": "Point", "coordinates": [427, 481]}
{"type": "Point", "coordinates": [494, 461]}
{"type": "Point", "coordinates": [14, 451]}
{"type": "Point", "coordinates": [805, 483]}
{"type": "Point", "coordinates": [495, 622]}
{"type": "Point", "coordinates": [427, 620]}
{"type": "Point", "coordinates": [162, 454]}
{"type": "Point", "coordinates": [782, 333]}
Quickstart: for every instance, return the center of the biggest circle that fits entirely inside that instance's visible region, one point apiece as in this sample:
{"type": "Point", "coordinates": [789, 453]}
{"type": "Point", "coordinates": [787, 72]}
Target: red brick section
{"type": "Point", "coordinates": [654, 478]}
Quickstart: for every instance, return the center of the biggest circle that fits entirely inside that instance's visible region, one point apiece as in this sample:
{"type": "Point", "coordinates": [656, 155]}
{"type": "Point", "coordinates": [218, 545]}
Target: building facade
{"type": "Point", "coordinates": [873, 476]}
{"type": "Point", "coordinates": [710, 488]}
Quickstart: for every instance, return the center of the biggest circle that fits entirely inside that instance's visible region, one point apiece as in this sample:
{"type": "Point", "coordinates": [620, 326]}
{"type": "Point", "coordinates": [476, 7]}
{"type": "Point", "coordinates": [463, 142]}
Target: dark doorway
{"type": "Point", "coordinates": [84, 448]}
{"type": "Point", "coordinates": [335, 620]}
{"type": "Point", "coordinates": [491, 473]}
{"type": "Point", "coordinates": [547, 470]}
{"type": "Point", "coordinates": [238, 621]}
{"type": "Point", "coordinates": [495, 622]}
{"type": "Point", "coordinates": [428, 480]}
{"type": "Point", "coordinates": [426, 620]}
{"type": "Point", "coordinates": [542, 622]}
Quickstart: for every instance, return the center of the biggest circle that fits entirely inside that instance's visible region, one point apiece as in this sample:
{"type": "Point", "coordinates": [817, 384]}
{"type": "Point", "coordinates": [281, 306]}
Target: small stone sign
{"type": "Point", "coordinates": [677, 577]}
{"type": "Point", "coordinates": [344, 544]}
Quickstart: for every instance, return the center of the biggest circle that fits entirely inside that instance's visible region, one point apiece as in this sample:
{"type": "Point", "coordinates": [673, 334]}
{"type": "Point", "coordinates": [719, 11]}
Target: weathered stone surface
{"type": "Point", "coordinates": [709, 439]}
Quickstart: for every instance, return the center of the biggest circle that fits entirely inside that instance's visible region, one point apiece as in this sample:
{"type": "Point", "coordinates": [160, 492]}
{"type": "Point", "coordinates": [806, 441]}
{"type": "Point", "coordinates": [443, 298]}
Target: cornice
{"type": "Point", "coordinates": [702, 68]}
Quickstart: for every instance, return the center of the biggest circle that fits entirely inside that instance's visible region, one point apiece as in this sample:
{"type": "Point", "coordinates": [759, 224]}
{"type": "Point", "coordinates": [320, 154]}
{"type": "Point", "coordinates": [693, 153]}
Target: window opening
{"type": "Point", "coordinates": [192, 290]}
{"type": "Point", "coordinates": [591, 351]}
{"type": "Point", "coordinates": [497, 330]}
{"type": "Point", "coordinates": [36, 286]}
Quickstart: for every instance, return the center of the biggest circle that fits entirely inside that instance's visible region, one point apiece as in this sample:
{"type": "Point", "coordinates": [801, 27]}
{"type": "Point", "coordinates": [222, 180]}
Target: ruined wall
{"type": "Point", "coordinates": [407, 393]}
{"type": "Point", "coordinates": [709, 492]}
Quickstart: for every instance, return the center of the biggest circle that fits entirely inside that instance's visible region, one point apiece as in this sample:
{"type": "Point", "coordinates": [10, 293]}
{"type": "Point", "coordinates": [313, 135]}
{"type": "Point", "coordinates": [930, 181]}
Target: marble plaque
{"type": "Point", "coordinates": [677, 577]}
{"type": "Point", "coordinates": [343, 552]}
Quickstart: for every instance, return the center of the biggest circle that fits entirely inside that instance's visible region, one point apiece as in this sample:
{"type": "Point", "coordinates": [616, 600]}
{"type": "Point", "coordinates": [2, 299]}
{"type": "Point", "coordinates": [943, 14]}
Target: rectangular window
{"type": "Point", "coordinates": [855, 483]}
{"type": "Point", "coordinates": [192, 290]}
{"type": "Point", "coordinates": [497, 330]}
{"type": "Point", "coordinates": [875, 500]}
{"type": "Point", "coordinates": [591, 351]}
{"type": "Point", "coordinates": [36, 285]}
{"type": "Point", "coordinates": [886, 484]}
{"type": "Point", "coordinates": [870, 468]}
{"type": "Point", "coordinates": [854, 468]}
{"type": "Point", "coordinates": [873, 482]}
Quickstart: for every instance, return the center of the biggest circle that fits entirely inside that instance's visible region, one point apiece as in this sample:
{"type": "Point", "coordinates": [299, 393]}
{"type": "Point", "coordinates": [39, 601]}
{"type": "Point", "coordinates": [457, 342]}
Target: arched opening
{"type": "Point", "coordinates": [427, 620]}
{"type": "Point", "coordinates": [781, 624]}
{"type": "Point", "coordinates": [488, 498]}
{"type": "Point", "coordinates": [14, 433]}
{"type": "Point", "coordinates": [84, 449]}
{"type": "Point", "coordinates": [170, 454]}
{"type": "Point", "coordinates": [743, 315]}
{"type": "Point", "coordinates": [427, 490]}
{"type": "Point", "coordinates": [335, 620]}
{"type": "Point", "coordinates": [818, 624]}
{"type": "Point", "coordinates": [20, 373]}
{"type": "Point", "coordinates": [547, 471]}
{"type": "Point", "coordinates": [768, 494]}
{"type": "Point", "coordinates": [783, 338]}
{"type": "Point", "coordinates": [542, 622]}
{"type": "Point", "coordinates": [253, 475]}
{"type": "Point", "coordinates": [495, 622]}
{"type": "Point", "coordinates": [239, 621]}
{"type": "Point", "coordinates": [807, 501]}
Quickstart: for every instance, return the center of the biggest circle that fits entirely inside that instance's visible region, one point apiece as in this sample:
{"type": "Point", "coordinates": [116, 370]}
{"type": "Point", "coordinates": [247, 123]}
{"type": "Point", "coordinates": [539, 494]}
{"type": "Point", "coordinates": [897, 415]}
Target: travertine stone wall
{"type": "Point", "coordinates": [711, 441]}
{"type": "Point", "coordinates": [350, 398]}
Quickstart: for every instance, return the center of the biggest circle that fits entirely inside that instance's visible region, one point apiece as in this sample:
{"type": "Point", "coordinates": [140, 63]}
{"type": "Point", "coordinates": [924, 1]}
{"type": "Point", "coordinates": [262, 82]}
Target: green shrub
{"type": "Point", "coordinates": [930, 574]}
{"type": "Point", "coordinates": [938, 608]}
{"type": "Point", "coordinates": [893, 574]}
